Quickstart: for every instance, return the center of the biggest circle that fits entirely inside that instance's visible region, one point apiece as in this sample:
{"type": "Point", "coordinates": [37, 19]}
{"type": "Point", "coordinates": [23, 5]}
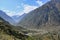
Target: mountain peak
{"type": "Point", "coordinates": [48, 14]}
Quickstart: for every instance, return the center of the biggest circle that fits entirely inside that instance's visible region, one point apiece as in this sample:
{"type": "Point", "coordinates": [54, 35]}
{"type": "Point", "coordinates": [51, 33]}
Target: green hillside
{"type": "Point", "coordinates": [8, 32]}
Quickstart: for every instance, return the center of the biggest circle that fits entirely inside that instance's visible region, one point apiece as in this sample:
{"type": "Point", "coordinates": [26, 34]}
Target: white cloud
{"type": "Point", "coordinates": [12, 13]}
{"type": "Point", "coordinates": [8, 12]}
{"type": "Point", "coordinates": [28, 8]}
{"type": "Point", "coordinates": [40, 3]}
{"type": "Point", "coordinates": [20, 13]}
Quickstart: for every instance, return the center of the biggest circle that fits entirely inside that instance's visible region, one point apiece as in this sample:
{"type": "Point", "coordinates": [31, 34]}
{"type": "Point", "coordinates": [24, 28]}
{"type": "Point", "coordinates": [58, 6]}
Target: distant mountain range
{"type": "Point", "coordinates": [46, 15]}
{"type": "Point", "coordinates": [3, 21]}
{"type": "Point", "coordinates": [12, 20]}
{"type": "Point", "coordinates": [18, 18]}
{"type": "Point", "coordinates": [6, 17]}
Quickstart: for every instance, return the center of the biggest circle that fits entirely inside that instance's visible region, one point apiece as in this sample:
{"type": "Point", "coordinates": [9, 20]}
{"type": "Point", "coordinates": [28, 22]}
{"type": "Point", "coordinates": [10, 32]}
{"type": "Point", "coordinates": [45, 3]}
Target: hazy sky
{"type": "Point", "coordinates": [19, 7]}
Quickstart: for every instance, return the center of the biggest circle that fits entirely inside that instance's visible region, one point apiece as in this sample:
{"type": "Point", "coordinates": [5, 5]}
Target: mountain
{"type": "Point", "coordinates": [3, 21]}
{"type": "Point", "coordinates": [6, 17]}
{"type": "Point", "coordinates": [17, 18]}
{"type": "Point", "coordinates": [9, 32]}
{"type": "Point", "coordinates": [45, 16]}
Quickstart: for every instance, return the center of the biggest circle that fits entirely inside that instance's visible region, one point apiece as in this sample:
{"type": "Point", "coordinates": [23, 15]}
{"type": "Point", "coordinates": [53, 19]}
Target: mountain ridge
{"type": "Point", "coordinates": [6, 17]}
{"type": "Point", "coordinates": [48, 14]}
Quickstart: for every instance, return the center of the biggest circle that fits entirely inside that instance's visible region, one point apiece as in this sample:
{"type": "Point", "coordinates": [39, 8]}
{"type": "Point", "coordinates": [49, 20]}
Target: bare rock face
{"type": "Point", "coordinates": [48, 14]}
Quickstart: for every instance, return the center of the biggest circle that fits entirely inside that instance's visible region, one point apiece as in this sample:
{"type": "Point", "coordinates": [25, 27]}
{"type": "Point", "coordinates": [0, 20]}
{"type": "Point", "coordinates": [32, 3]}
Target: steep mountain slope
{"type": "Point", "coordinates": [47, 15]}
{"type": "Point", "coordinates": [6, 17]}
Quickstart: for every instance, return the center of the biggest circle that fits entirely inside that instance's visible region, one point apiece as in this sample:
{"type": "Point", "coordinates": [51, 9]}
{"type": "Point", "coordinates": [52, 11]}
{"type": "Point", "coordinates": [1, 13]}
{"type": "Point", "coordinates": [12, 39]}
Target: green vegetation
{"type": "Point", "coordinates": [47, 36]}
{"type": "Point", "coordinates": [7, 32]}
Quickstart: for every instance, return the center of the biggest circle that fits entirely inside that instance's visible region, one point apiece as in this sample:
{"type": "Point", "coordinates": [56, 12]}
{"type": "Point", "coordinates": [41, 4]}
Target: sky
{"type": "Point", "coordinates": [19, 7]}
